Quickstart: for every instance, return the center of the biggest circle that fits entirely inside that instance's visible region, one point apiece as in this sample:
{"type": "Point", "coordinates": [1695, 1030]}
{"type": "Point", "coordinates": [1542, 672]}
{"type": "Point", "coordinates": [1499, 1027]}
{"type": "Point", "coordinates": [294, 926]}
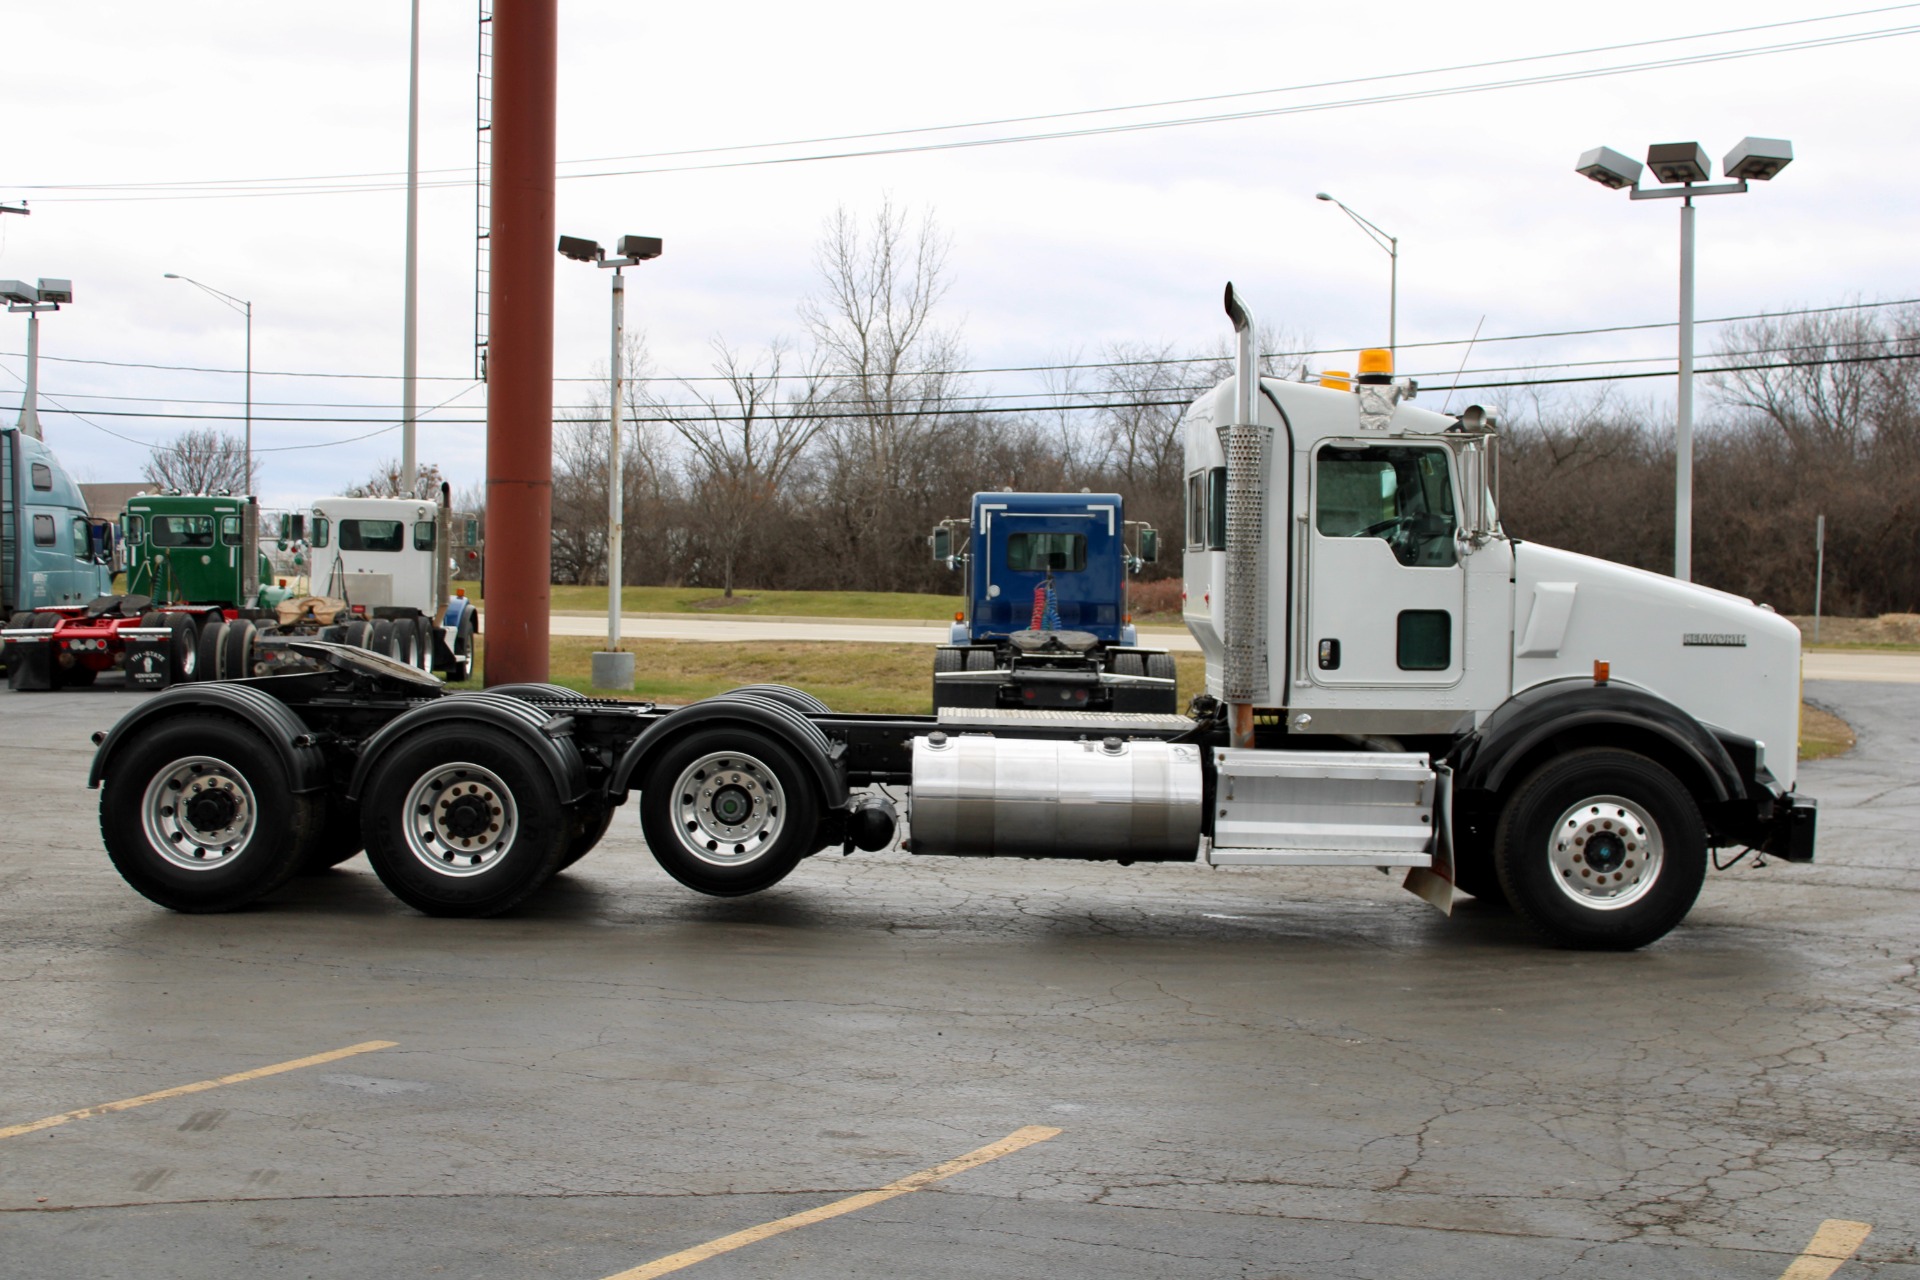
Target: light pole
{"type": "Point", "coordinates": [613, 669]}
{"type": "Point", "coordinates": [47, 295]}
{"type": "Point", "coordinates": [1686, 164]}
{"type": "Point", "coordinates": [1392, 245]}
{"type": "Point", "coordinates": [245, 308]}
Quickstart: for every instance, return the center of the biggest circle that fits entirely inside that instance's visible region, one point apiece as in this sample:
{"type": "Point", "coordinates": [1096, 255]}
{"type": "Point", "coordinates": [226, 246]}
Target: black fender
{"type": "Point", "coordinates": [784, 722]}
{"type": "Point", "coordinates": [285, 732]}
{"type": "Point", "coordinates": [547, 735]}
{"type": "Point", "coordinates": [1584, 711]}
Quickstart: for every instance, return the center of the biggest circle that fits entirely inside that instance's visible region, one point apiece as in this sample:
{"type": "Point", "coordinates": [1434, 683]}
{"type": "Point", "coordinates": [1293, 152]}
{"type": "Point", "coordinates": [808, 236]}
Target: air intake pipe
{"type": "Point", "coordinates": [1244, 677]}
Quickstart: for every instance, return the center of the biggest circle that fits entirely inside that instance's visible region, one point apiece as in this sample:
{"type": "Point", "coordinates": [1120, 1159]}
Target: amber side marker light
{"type": "Point", "coordinates": [1601, 671]}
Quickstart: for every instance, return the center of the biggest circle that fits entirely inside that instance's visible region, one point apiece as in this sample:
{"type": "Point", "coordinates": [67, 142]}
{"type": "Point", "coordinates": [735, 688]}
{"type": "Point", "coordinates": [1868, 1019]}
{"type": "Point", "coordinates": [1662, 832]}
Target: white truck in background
{"type": "Point", "coordinates": [391, 562]}
{"type": "Point", "coordinates": [1392, 682]}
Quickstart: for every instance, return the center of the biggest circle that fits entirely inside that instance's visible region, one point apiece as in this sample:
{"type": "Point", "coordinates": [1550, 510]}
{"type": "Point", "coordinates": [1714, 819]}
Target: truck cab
{"type": "Point", "coordinates": [1046, 622]}
{"type": "Point", "coordinates": [199, 549]}
{"type": "Point", "coordinates": [52, 552]}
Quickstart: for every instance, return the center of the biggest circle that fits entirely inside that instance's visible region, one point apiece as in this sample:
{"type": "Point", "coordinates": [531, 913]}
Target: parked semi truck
{"type": "Point", "coordinates": [193, 565]}
{"type": "Point", "coordinates": [391, 561]}
{"type": "Point", "coordinates": [1392, 682]}
{"type": "Point", "coordinates": [1046, 623]}
{"type": "Point", "coordinates": [64, 623]}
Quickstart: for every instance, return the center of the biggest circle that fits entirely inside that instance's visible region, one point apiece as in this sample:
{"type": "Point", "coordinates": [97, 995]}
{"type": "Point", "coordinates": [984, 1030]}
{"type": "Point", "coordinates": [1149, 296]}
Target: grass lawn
{"type": "Point", "coordinates": [797, 604]}
{"type": "Point", "coordinates": [879, 605]}
{"type": "Point", "coordinates": [882, 678]}
{"type": "Point", "coordinates": [1823, 734]}
{"type": "Point", "coordinates": [889, 678]}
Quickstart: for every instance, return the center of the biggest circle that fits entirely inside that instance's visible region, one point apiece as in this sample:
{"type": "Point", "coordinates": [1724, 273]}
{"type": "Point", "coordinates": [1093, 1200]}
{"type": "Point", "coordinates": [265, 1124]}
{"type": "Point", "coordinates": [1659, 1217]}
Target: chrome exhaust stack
{"type": "Point", "coordinates": [1244, 673]}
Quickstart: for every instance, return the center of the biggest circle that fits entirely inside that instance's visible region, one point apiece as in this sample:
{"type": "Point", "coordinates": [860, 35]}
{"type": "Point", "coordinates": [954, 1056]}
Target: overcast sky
{"type": "Point", "coordinates": [1059, 246]}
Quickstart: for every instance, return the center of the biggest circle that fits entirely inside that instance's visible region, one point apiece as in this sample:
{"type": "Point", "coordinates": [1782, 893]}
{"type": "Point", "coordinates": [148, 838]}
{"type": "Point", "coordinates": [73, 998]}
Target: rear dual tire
{"type": "Point", "coordinates": [462, 821]}
{"type": "Point", "coordinates": [729, 812]}
{"type": "Point", "coordinates": [198, 815]}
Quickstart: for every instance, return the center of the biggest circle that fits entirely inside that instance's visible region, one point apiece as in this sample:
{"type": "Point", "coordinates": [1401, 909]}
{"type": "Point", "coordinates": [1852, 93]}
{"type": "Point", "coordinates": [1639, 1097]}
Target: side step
{"type": "Point", "coordinates": [1322, 809]}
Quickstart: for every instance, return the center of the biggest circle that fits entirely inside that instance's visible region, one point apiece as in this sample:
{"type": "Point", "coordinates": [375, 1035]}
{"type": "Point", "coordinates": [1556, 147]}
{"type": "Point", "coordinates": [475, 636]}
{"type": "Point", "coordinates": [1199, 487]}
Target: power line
{"type": "Point", "coordinates": [1063, 395]}
{"type": "Point", "coordinates": [1025, 368]}
{"type": "Point", "coordinates": [998, 411]}
{"type": "Point", "coordinates": [1412, 95]}
{"type": "Point", "coordinates": [461, 175]}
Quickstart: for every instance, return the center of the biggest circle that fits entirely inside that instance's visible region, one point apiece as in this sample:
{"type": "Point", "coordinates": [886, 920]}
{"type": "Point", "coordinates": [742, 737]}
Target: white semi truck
{"type": "Point", "coordinates": [390, 561]}
{"type": "Point", "coordinates": [1392, 682]}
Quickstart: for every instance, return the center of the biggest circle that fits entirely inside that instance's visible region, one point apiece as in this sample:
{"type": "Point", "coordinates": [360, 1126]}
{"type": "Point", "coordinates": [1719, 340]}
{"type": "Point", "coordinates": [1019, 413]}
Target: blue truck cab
{"type": "Point", "coordinates": [1038, 552]}
{"type": "Point", "coordinates": [1046, 624]}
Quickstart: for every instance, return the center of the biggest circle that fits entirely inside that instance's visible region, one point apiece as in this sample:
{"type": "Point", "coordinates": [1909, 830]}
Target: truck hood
{"type": "Point", "coordinates": [1728, 662]}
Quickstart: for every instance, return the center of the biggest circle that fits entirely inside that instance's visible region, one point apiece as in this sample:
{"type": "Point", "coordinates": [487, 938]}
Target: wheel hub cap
{"type": "Point", "coordinates": [460, 819]}
{"type": "Point", "coordinates": [199, 813]}
{"type": "Point", "coordinates": [728, 808]}
{"type": "Point", "coordinates": [1606, 852]}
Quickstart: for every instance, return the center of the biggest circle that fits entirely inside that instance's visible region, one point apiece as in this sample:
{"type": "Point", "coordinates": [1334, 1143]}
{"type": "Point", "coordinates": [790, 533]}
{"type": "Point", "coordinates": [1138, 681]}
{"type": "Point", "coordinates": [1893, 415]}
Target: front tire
{"type": "Point", "coordinates": [198, 815]}
{"type": "Point", "coordinates": [729, 812]}
{"type": "Point", "coordinates": [461, 820]}
{"type": "Point", "coordinates": [1601, 849]}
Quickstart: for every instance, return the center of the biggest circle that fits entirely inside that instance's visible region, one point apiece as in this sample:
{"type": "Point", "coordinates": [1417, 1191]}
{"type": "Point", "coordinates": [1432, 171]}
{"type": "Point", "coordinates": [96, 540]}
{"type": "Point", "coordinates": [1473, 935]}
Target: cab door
{"type": "Point", "coordinates": [1386, 591]}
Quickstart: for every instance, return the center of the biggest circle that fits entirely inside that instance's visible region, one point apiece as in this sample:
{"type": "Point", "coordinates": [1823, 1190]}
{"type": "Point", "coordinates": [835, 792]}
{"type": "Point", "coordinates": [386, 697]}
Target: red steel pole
{"type": "Point", "coordinates": [520, 340]}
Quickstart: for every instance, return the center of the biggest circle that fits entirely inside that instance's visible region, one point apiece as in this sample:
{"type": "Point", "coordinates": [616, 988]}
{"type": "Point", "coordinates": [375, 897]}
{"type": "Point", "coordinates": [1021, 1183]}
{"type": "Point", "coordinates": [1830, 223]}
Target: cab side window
{"type": "Point", "coordinates": [1401, 494]}
{"type": "Point", "coordinates": [42, 477]}
{"type": "Point", "coordinates": [43, 534]}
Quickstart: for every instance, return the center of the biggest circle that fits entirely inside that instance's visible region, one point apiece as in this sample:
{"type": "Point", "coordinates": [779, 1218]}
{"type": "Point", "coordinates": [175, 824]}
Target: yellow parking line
{"type": "Point", "coordinates": [1832, 1245]}
{"type": "Point", "coordinates": [1013, 1142]}
{"type": "Point", "coordinates": [200, 1086]}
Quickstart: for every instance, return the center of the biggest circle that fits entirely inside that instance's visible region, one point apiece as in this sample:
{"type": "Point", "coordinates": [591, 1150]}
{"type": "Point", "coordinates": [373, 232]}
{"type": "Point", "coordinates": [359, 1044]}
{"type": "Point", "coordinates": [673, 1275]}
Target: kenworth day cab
{"type": "Point", "coordinates": [1392, 682]}
{"type": "Point", "coordinates": [1046, 624]}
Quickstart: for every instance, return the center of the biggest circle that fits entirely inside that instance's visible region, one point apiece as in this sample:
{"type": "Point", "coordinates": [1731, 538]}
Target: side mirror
{"type": "Point", "coordinates": [1149, 546]}
{"type": "Point", "coordinates": [941, 540]}
{"type": "Point", "coordinates": [1475, 506]}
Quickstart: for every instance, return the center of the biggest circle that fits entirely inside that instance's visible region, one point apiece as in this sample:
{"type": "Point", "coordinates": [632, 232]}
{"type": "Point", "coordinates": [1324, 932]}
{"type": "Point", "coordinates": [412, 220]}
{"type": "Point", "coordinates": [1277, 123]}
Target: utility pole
{"type": "Point", "coordinates": [410, 338]}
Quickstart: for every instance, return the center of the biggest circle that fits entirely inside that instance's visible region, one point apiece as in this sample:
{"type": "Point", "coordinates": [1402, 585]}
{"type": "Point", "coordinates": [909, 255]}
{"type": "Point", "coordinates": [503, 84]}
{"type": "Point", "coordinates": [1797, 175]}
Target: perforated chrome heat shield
{"type": "Point", "coordinates": [1244, 673]}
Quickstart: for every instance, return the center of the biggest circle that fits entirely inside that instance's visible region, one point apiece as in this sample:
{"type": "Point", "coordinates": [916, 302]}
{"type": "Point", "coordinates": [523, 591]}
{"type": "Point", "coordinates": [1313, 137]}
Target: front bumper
{"type": "Point", "coordinates": [1790, 829]}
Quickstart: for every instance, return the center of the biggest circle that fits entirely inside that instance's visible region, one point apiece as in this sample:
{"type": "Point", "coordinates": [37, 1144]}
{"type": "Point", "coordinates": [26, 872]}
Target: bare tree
{"type": "Point", "coordinates": [744, 446]}
{"type": "Point", "coordinates": [200, 460]}
{"type": "Point", "coordinates": [385, 482]}
{"type": "Point", "coordinates": [649, 489]}
{"type": "Point", "coordinates": [891, 378]}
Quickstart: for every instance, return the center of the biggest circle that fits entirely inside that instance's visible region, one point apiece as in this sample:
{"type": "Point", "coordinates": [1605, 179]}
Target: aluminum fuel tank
{"type": "Point", "coordinates": [1127, 801]}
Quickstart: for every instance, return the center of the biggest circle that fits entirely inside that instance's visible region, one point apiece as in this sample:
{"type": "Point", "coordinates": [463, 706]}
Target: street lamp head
{"type": "Point", "coordinates": [579, 250]}
{"type": "Point", "coordinates": [1679, 162]}
{"type": "Point", "coordinates": [1758, 159]}
{"type": "Point", "coordinates": [640, 248]}
{"type": "Point", "coordinates": [1321, 195]}
{"type": "Point", "coordinates": [55, 290]}
{"type": "Point", "coordinates": [18, 291]}
{"type": "Point", "coordinates": [1609, 168]}
{"type": "Point", "coordinates": [174, 276]}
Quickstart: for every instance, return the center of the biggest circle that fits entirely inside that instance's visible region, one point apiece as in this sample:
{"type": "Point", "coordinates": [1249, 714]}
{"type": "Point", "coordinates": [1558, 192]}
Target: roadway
{"type": "Point", "coordinates": [941, 1067]}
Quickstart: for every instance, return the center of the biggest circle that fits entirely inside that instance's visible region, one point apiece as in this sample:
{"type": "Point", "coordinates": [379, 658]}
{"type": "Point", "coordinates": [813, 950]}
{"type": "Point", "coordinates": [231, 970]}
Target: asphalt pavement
{"type": "Point", "coordinates": [891, 1066]}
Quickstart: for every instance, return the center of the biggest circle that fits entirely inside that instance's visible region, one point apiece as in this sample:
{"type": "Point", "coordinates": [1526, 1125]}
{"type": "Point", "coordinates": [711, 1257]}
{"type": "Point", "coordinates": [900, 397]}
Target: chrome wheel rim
{"type": "Point", "coordinates": [460, 819]}
{"type": "Point", "coordinates": [199, 813]}
{"type": "Point", "coordinates": [728, 808]}
{"type": "Point", "coordinates": [1606, 853]}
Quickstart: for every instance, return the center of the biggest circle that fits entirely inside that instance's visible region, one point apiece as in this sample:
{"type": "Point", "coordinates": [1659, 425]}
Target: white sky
{"type": "Point", "coordinates": [1059, 247]}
